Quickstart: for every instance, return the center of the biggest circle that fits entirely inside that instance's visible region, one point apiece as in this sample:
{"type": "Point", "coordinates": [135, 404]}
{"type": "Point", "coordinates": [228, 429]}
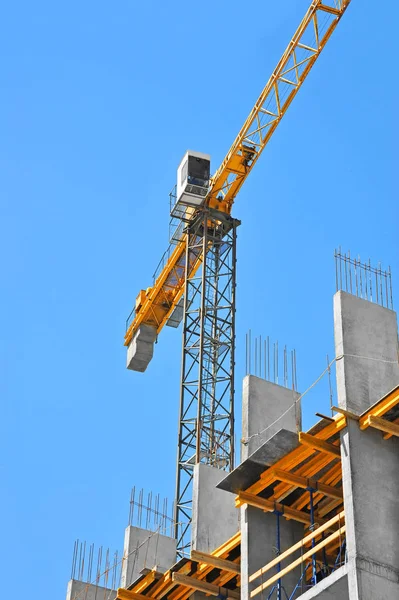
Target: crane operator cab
{"type": "Point", "coordinates": [193, 176]}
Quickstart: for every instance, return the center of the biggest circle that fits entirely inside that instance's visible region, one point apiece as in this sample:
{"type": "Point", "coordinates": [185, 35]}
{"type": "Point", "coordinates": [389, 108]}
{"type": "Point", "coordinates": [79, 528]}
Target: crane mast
{"type": "Point", "coordinates": [201, 265]}
{"type": "Point", "coordinates": [206, 415]}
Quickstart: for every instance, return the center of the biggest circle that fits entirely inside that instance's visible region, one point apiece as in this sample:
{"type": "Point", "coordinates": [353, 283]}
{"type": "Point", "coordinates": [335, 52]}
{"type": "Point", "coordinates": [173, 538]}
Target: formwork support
{"type": "Point", "coordinates": [206, 417]}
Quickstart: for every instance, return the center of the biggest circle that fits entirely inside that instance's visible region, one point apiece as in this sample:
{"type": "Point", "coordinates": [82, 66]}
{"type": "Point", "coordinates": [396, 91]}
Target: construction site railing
{"type": "Point", "coordinates": [338, 519]}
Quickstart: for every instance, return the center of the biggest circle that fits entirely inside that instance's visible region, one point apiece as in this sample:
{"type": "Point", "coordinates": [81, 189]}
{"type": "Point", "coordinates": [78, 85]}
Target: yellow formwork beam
{"type": "Point", "coordinates": [123, 594]}
{"type": "Point", "coordinates": [214, 561]}
{"type": "Point", "coordinates": [319, 445]}
{"type": "Point", "coordinates": [297, 456]}
{"type": "Point", "coordinates": [205, 587]}
{"type": "Point", "coordinates": [383, 425]}
{"type": "Point", "coordinates": [270, 506]}
{"type": "Point", "coordinates": [386, 436]}
{"type": "Point", "coordinates": [379, 409]}
{"type": "Point", "coordinates": [304, 482]}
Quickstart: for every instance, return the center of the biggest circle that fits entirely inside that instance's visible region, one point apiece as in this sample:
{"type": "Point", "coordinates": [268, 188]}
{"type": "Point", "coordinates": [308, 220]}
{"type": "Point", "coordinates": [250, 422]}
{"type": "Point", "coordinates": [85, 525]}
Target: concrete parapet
{"type": "Point", "coordinates": [145, 549]}
{"type": "Point", "coordinates": [333, 587]}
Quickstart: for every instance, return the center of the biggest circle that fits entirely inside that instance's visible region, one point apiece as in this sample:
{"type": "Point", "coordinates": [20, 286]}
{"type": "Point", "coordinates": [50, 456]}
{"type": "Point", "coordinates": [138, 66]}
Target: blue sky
{"type": "Point", "coordinates": [99, 102]}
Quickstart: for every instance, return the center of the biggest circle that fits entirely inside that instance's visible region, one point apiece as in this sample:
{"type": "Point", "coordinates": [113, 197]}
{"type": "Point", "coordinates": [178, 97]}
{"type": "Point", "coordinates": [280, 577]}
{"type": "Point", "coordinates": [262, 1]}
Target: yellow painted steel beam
{"type": "Point", "coordinates": [380, 408]}
{"type": "Point", "coordinates": [272, 104]}
{"type": "Point", "coordinates": [319, 445]}
{"type": "Point", "coordinates": [287, 78]}
{"type": "Point", "coordinates": [204, 586]}
{"type": "Point", "coordinates": [161, 299]}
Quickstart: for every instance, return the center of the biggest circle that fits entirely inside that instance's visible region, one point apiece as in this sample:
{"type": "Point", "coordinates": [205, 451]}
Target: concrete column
{"type": "Point", "coordinates": [215, 517]}
{"type": "Point", "coordinates": [266, 408]}
{"type": "Point", "coordinates": [366, 339]}
{"type": "Point", "coordinates": [145, 550]}
{"type": "Point", "coordinates": [80, 590]}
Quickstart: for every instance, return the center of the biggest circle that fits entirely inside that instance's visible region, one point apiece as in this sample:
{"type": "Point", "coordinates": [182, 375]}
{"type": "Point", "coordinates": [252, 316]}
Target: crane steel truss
{"type": "Point", "coordinates": [287, 78]}
{"type": "Point", "coordinates": [205, 404]}
{"type": "Point", "coordinates": [206, 424]}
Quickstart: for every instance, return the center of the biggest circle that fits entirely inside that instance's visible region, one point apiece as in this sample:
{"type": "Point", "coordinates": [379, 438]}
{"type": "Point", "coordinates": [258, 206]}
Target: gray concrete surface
{"type": "Point", "coordinates": [258, 543]}
{"type": "Point", "coordinates": [80, 590]}
{"type": "Point", "coordinates": [215, 518]}
{"type": "Point", "coordinates": [371, 581]}
{"type": "Point", "coordinates": [144, 549]}
{"type": "Point", "coordinates": [265, 456]}
{"type": "Point", "coordinates": [364, 329]}
{"type": "Point", "coordinates": [370, 464]}
{"type": "Point", "coordinates": [263, 403]}
{"type": "Point", "coordinates": [333, 587]}
{"type": "Point", "coordinates": [141, 349]}
{"type": "Point", "coordinates": [267, 409]}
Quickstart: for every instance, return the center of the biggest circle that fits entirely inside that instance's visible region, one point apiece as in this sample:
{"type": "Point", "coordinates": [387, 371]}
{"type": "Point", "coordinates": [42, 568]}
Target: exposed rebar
{"type": "Point", "coordinates": [360, 278]}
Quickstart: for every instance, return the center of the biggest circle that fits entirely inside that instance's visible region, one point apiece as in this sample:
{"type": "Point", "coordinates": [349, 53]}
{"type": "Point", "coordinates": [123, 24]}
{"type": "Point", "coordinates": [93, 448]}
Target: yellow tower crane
{"type": "Point", "coordinates": [196, 279]}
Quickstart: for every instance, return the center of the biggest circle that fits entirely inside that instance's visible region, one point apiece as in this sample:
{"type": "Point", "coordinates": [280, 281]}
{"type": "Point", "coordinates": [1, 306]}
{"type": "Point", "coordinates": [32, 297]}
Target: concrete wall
{"type": "Point", "coordinates": [258, 543]}
{"type": "Point", "coordinates": [215, 517]}
{"type": "Point", "coordinates": [262, 403]}
{"type": "Point", "coordinates": [364, 329]}
{"type": "Point", "coordinates": [370, 464]}
{"type": "Point", "coordinates": [144, 549]}
{"type": "Point", "coordinates": [265, 404]}
{"type": "Point", "coordinates": [333, 587]}
{"type": "Point", "coordinates": [86, 591]}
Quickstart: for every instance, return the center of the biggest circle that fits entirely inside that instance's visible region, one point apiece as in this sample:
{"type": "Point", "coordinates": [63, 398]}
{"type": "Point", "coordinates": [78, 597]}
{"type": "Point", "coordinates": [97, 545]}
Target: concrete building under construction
{"type": "Point", "coordinates": [310, 514]}
{"type": "Point", "coordinates": [305, 514]}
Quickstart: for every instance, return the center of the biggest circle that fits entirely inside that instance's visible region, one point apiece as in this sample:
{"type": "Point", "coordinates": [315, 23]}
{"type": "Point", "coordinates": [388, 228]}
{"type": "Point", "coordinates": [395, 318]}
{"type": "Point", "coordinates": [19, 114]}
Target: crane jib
{"type": "Point", "coordinates": [159, 301]}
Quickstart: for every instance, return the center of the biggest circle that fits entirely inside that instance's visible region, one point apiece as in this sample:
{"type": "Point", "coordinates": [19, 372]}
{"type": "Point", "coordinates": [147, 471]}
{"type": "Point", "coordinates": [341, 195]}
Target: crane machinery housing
{"type": "Point", "coordinates": [196, 279]}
